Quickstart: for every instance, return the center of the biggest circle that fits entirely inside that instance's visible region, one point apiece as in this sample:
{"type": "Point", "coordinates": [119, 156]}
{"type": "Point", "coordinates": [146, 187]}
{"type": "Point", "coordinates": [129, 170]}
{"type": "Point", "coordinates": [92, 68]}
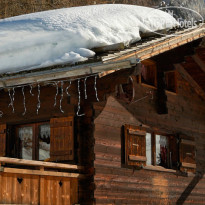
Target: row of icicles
{"type": "Point", "coordinates": [11, 92]}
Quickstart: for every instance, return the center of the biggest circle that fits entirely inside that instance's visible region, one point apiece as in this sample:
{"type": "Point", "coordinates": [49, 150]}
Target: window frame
{"type": "Point", "coordinates": [169, 165]}
{"type": "Point", "coordinates": [35, 139]}
{"type": "Point", "coordinates": [176, 165]}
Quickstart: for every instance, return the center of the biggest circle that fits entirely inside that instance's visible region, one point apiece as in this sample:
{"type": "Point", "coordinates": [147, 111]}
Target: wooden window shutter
{"type": "Point", "coordinates": [61, 139]}
{"type": "Point", "coordinates": [2, 140]}
{"type": "Point", "coordinates": [135, 146]}
{"type": "Point", "coordinates": [187, 154]}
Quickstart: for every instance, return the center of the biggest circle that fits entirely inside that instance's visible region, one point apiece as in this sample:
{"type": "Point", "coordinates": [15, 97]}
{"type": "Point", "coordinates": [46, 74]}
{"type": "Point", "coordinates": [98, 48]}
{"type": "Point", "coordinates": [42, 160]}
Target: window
{"type": "Point", "coordinates": [34, 141]}
{"type": "Point", "coordinates": [50, 141]}
{"type": "Point", "coordinates": [166, 151]}
{"type": "Point", "coordinates": [144, 148]}
{"type": "Point", "coordinates": [171, 81]}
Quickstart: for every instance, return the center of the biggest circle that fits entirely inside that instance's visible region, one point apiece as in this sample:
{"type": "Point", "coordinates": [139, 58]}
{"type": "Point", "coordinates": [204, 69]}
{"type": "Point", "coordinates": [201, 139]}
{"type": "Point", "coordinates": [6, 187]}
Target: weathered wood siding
{"type": "Point", "coordinates": [117, 185]}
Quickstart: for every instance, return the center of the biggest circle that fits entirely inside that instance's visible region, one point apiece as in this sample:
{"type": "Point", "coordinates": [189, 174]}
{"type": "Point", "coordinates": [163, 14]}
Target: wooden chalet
{"type": "Point", "coordinates": [126, 127]}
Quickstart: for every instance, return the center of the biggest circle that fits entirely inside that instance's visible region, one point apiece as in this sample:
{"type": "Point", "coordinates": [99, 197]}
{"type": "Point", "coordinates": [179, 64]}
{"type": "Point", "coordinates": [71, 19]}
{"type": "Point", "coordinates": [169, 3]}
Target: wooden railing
{"type": "Point", "coordinates": [41, 165]}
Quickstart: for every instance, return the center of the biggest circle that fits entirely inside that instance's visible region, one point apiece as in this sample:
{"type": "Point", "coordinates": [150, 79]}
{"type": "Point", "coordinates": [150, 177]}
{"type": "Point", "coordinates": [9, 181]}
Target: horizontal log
{"type": "Point", "coordinates": [137, 158]}
{"type": "Point", "coordinates": [42, 173]}
{"type": "Point", "coordinates": [113, 47]}
{"type": "Point", "coordinates": [137, 132]}
{"type": "Point", "coordinates": [188, 165]}
{"type": "Point", "coordinates": [39, 163]}
{"type": "Point", "coordinates": [188, 142]}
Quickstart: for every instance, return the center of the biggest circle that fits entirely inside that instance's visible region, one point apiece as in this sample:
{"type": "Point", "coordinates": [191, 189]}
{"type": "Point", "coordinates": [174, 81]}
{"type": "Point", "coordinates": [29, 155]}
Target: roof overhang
{"type": "Point", "coordinates": [127, 58]}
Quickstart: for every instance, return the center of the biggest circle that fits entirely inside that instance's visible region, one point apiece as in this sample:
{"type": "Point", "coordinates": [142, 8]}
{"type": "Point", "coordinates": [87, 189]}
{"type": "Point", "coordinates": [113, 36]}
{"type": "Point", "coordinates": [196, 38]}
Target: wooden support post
{"type": "Point", "coordinates": [192, 82]}
{"type": "Point", "coordinates": [161, 94]}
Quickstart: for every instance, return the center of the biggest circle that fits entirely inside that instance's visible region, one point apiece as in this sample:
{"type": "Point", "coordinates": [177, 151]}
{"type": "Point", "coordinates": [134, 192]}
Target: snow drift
{"type": "Point", "coordinates": [67, 35]}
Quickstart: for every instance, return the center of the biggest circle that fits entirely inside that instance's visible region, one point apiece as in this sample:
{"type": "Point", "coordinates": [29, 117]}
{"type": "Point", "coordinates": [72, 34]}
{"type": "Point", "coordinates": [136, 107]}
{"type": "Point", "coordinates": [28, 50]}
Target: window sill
{"type": "Point", "coordinates": [33, 163]}
{"type": "Point", "coordinates": [149, 86]}
{"type": "Point", "coordinates": [162, 169]}
{"type": "Point", "coordinates": [170, 92]}
{"type": "Point", "coordinates": [159, 168]}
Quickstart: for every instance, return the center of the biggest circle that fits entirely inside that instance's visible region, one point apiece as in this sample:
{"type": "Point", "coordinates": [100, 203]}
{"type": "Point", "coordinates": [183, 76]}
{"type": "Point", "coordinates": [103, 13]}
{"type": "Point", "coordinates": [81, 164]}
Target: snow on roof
{"type": "Point", "coordinates": [67, 35]}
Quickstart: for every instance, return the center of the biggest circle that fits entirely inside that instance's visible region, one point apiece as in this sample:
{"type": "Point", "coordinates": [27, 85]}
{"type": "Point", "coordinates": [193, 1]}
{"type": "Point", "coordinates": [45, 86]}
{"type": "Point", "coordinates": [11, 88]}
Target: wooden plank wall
{"type": "Point", "coordinates": [118, 185]}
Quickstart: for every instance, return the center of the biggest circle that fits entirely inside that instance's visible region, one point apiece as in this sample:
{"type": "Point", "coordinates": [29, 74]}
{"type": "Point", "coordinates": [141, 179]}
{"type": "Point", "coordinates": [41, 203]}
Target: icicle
{"type": "Point", "coordinates": [61, 97]}
{"type": "Point", "coordinates": [56, 83]}
{"type": "Point", "coordinates": [39, 102]}
{"type": "Point", "coordinates": [11, 101]}
{"type": "Point", "coordinates": [95, 86]}
{"type": "Point", "coordinates": [24, 101]}
{"type": "Point", "coordinates": [85, 87]}
{"type": "Point", "coordinates": [31, 88]}
{"type": "Point", "coordinates": [13, 95]}
{"type": "Point", "coordinates": [79, 100]}
{"type": "Point", "coordinates": [68, 88]}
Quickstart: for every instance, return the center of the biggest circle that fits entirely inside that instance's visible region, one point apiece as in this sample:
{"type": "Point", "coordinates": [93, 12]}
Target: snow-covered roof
{"type": "Point", "coordinates": [109, 62]}
{"type": "Point", "coordinates": [67, 35]}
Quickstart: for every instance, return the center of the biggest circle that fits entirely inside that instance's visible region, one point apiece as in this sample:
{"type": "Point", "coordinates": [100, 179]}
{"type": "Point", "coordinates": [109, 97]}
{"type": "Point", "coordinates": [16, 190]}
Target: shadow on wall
{"type": "Point", "coordinates": [189, 189]}
{"type": "Point", "coordinates": [200, 173]}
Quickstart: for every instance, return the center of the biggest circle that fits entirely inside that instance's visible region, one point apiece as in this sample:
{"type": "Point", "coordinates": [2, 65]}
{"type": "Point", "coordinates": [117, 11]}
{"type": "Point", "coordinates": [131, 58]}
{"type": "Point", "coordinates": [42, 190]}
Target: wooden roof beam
{"type": "Point", "coordinates": [198, 60]}
{"type": "Point", "coordinates": [189, 78]}
{"type": "Point", "coordinates": [68, 72]}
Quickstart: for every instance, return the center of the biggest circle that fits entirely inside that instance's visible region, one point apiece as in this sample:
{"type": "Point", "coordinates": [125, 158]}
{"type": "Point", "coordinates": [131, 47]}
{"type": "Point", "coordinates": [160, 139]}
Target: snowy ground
{"type": "Point", "coordinates": [67, 35]}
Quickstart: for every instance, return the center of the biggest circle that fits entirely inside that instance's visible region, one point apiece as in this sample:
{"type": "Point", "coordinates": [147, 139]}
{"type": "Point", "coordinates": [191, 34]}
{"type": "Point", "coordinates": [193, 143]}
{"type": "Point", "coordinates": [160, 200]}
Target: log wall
{"type": "Point", "coordinates": [116, 184]}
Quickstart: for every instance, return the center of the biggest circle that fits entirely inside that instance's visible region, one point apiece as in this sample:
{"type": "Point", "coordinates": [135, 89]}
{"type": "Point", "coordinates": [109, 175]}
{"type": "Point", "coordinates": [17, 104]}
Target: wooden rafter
{"type": "Point", "coordinates": [192, 82]}
{"type": "Point", "coordinates": [198, 60]}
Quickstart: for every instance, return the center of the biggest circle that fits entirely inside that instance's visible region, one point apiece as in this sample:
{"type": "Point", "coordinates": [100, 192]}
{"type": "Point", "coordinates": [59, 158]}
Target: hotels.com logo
{"type": "Point", "coordinates": [186, 18]}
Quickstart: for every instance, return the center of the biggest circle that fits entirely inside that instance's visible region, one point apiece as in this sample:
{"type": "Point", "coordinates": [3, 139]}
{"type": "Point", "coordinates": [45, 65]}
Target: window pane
{"type": "Point", "coordinates": [26, 135]}
{"type": "Point", "coordinates": [162, 150]}
{"type": "Point", "coordinates": [148, 149]}
{"type": "Point", "coordinates": [44, 142]}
